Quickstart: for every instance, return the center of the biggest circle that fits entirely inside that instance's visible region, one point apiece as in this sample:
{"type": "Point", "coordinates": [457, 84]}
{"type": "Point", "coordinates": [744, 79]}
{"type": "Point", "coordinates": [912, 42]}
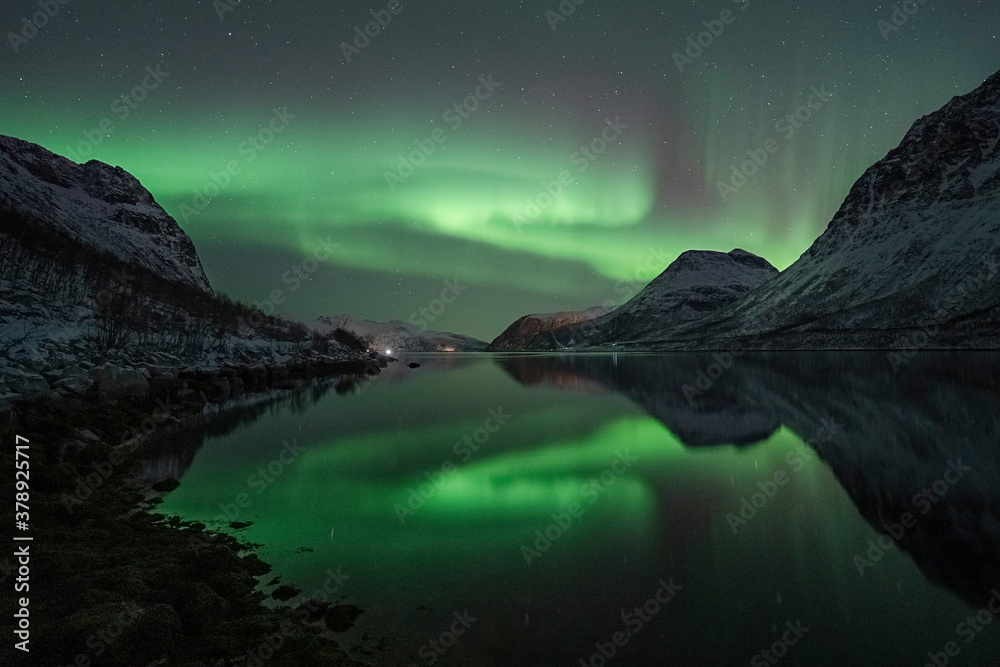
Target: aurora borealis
{"type": "Point", "coordinates": [267, 136]}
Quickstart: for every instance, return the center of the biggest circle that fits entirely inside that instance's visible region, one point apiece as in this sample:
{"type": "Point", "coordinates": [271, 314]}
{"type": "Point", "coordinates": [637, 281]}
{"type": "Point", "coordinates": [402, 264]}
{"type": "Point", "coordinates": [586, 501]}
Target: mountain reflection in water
{"type": "Point", "coordinates": [850, 435]}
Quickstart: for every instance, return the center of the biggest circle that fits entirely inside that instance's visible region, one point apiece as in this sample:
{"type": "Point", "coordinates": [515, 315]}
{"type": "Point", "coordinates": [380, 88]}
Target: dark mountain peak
{"type": "Point", "coordinates": [695, 284]}
{"type": "Point", "coordinates": [704, 268]}
{"type": "Point", "coordinates": [949, 156]}
{"type": "Point", "coordinates": [703, 259]}
{"type": "Point", "coordinates": [535, 330]}
{"type": "Point", "coordinates": [695, 258]}
{"type": "Point", "coordinates": [103, 208]}
{"type": "Point", "coordinates": [914, 247]}
{"type": "Point", "coordinates": [744, 257]}
{"type": "Point", "coordinates": [98, 179]}
{"type": "Point", "coordinates": [113, 185]}
{"type": "Point", "coordinates": [41, 163]}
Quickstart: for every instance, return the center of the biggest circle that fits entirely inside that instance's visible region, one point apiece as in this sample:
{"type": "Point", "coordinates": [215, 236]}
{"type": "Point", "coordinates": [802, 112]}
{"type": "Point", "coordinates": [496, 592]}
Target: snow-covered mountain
{"type": "Point", "coordinates": [911, 259]}
{"type": "Point", "coordinates": [100, 207]}
{"type": "Point", "coordinates": [100, 290]}
{"type": "Point", "coordinates": [695, 285]}
{"type": "Point", "coordinates": [396, 336]}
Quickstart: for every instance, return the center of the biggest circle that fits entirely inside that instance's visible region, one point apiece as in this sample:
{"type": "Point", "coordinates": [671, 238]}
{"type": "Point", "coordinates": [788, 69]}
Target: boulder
{"type": "Point", "coordinates": [95, 618]}
{"type": "Point", "coordinates": [342, 617]}
{"type": "Point", "coordinates": [312, 610]}
{"type": "Point", "coordinates": [74, 371]}
{"type": "Point", "coordinates": [285, 592]}
{"type": "Point", "coordinates": [85, 435]}
{"type": "Point", "coordinates": [165, 383]}
{"type": "Point", "coordinates": [157, 631]}
{"type": "Point", "coordinates": [77, 385]}
{"type": "Point", "coordinates": [221, 390]}
{"type": "Point", "coordinates": [27, 384]}
{"type": "Point", "coordinates": [116, 381]}
{"type": "Point", "coordinates": [166, 485]}
{"type": "Point", "coordinates": [199, 606]}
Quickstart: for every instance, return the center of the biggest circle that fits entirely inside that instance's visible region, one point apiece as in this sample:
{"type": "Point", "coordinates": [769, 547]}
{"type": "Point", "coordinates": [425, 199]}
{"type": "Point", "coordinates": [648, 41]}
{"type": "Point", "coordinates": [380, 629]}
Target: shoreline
{"type": "Point", "coordinates": [113, 583]}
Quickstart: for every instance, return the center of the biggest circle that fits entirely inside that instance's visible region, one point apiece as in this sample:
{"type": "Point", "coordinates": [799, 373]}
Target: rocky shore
{"type": "Point", "coordinates": [113, 583]}
{"type": "Point", "coordinates": [73, 368]}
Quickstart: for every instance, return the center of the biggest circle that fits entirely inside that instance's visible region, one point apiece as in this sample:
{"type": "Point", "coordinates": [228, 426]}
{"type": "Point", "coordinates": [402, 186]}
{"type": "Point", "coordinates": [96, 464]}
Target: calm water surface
{"type": "Point", "coordinates": [544, 499]}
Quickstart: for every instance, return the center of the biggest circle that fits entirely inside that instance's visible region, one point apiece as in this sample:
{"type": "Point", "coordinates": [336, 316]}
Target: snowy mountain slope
{"type": "Point", "coordinates": [696, 284]}
{"type": "Point", "coordinates": [102, 208]}
{"type": "Point", "coordinates": [100, 290]}
{"type": "Point", "coordinates": [911, 259]}
{"type": "Point", "coordinates": [915, 247]}
{"type": "Point", "coordinates": [397, 336]}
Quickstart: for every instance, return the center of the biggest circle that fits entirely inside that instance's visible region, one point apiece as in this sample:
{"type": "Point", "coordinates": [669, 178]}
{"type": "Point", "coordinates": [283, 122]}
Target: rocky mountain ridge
{"type": "Point", "coordinates": [696, 284]}
{"type": "Point", "coordinates": [915, 247]}
{"type": "Point", "coordinates": [538, 330]}
{"type": "Point", "coordinates": [102, 292]}
{"type": "Point", "coordinates": [103, 208]}
{"type": "Point", "coordinates": [911, 260]}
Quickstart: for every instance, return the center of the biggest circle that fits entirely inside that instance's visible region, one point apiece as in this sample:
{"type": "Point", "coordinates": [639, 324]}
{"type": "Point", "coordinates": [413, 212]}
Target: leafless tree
{"type": "Point", "coordinates": [29, 331]}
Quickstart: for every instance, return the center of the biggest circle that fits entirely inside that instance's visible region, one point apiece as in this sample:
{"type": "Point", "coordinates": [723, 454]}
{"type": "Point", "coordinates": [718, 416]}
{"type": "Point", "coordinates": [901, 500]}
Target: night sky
{"type": "Point", "coordinates": [598, 109]}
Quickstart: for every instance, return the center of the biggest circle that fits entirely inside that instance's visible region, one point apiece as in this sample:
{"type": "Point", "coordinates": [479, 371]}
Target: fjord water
{"type": "Point", "coordinates": [433, 489]}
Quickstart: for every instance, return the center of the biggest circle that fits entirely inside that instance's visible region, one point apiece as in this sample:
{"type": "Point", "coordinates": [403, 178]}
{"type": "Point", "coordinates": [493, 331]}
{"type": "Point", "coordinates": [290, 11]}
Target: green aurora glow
{"type": "Point", "coordinates": [653, 193]}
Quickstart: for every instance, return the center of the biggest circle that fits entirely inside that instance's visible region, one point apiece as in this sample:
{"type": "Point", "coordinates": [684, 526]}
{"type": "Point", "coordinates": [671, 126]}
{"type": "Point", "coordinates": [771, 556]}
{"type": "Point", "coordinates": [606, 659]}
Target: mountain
{"type": "Point", "coordinates": [101, 291]}
{"type": "Point", "coordinates": [97, 206]}
{"type": "Point", "coordinates": [695, 285]}
{"type": "Point", "coordinates": [536, 331]}
{"type": "Point", "coordinates": [396, 336]}
{"type": "Point", "coordinates": [911, 260]}
{"type": "Point", "coordinates": [913, 253]}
